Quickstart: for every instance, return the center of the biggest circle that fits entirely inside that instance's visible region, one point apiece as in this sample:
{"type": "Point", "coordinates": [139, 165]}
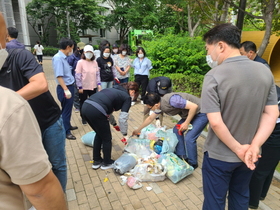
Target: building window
{"type": "Point", "coordinates": [40, 29]}
{"type": "Point", "coordinates": [102, 32]}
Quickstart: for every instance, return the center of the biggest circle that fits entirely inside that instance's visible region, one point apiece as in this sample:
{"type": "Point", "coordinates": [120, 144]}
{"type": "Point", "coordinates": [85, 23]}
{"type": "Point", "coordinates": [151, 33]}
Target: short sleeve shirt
{"type": "Point", "coordinates": [239, 89]}
{"type": "Point", "coordinates": [23, 159]}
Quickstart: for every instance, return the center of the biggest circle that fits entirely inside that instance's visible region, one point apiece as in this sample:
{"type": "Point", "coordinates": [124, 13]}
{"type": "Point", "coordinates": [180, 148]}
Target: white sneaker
{"type": "Point", "coordinates": [132, 103]}
{"type": "Point", "coordinates": [107, 166]}
{"type": "Point", "coordinates": [142, 102]}
{"type": "Point", "coordinates": [32, 208]}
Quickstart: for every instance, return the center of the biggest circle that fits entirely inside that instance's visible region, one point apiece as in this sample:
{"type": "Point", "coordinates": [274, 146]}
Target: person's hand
{"type": "Point", "coordinates": [136, 133]}
{"type": "Point", "coordinates": [67, 94]}
{"type": "Point", "coordinates": [81, 91]}
{"type": "Point", "coordinates": [117, 127]}
{"type": "Point", "coordinates": [241, 150]}
{"type": "Point", "coordinates": [99, 88]}
{"type": "Point", "coordinates": [184, 126]}
{"type": "Point", "coordinates": [124, 140]}
{"type": "Point", "coordinates": [158, 123]}
{"type": "Point", "coordinates": [251, 156]}
{"type": "Point", "coordinates": [178, 126]}
{"type": "Point", "coordinates": [117, 80]}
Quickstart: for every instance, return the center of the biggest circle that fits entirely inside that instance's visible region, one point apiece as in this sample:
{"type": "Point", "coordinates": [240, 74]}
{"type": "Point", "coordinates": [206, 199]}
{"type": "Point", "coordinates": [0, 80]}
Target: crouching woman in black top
{"type": "Point", "coordinates": [96, 110]}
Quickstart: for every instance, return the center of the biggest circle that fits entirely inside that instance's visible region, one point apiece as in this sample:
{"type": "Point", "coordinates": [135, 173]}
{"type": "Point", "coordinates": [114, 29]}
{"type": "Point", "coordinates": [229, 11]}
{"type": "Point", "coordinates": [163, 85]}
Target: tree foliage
{"type": "Point", "coordinates": [82, 15]}
{"type": "Point", "coordinates": [127, 14]}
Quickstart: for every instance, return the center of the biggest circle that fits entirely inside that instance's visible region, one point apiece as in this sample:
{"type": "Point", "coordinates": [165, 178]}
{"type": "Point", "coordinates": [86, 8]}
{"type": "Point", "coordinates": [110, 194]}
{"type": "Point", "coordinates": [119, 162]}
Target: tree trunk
{"type": "Point", "coordinates": [224, 15]}
{"type": "Point", "coordinates": [241, 14]}
{"type": "Point", "coordinates": [268, 17]}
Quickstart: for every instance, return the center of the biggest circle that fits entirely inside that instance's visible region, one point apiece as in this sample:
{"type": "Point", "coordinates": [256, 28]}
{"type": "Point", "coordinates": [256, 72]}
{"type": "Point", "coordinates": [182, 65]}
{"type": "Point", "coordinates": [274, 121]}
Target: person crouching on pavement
{"type": "Point", "coordinates": [188, 107]}
{"type": "Point", "coordinates": [96, 110]}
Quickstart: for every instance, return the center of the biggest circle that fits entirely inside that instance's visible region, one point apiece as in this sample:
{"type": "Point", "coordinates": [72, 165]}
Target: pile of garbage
{"type": "Point", "coordinates": [151, 158]}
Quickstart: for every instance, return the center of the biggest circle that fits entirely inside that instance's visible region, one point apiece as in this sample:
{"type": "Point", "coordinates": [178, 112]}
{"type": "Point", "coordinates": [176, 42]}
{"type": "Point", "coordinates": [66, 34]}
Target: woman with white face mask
{"type": "Point", "coordinates": [122, 64]}
{"type": "Point", "coordinates": [107, 70]}
{"type": "Point", "coordinates": [142, 67]}
{"type": "Point", "coordinates": [87, 76]}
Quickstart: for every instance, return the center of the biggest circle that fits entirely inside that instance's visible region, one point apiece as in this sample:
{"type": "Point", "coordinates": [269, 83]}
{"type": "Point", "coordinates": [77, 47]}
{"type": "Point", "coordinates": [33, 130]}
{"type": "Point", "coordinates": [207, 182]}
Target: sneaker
{"type": "Point", "coordinates": [77, 110]}
{"type": "Point", "coordinates": [107, 166]}
{"type": "Point", "coordinates": [132, 103]}
{"type": "Point", "coordinates": [142, 102]}
{"type": "Point", "coordinates": [253, 207]}
{"type": "Point", "coordinates": [97, 164]}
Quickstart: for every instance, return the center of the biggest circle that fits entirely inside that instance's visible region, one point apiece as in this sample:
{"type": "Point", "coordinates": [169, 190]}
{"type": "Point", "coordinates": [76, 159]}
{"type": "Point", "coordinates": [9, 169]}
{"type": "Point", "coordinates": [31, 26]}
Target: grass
{"type": "Point", "coordinates": [278, 168]}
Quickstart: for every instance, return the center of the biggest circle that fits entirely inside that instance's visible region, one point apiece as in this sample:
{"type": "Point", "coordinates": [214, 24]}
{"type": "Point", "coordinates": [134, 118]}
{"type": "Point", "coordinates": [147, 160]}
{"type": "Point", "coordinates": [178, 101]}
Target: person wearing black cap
{"type": "Point", "coordinates": [188, 107]}
{"type": "Point", "coordinates": [160, 85]}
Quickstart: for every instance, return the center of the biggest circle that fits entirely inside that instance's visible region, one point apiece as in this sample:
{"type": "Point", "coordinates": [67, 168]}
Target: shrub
{"type": "Point", "coordinates": [177, 54]}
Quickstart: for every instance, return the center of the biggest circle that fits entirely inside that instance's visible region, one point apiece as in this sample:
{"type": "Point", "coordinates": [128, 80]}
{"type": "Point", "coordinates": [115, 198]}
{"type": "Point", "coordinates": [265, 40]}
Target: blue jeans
{"type": "Point", "coordinates": [106, 85]}
{"type": "Point", "coordinates": [124, 80]}
{"type": "Point", "coordinates": [66, 106]}
{"type": "Point", "coordinates": [54, 144]}
{"type": "Point", "coordinates": [187, 146]}
{"type": "Point", "coordinates": [220, 178]}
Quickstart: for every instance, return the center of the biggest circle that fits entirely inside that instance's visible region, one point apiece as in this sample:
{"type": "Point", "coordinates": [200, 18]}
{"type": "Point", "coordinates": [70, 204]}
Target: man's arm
{"type": "Point", "coordinates": [217, 124]}
{"type": "Point", "coordinates": [145, 123]}
{"type": "Point", "coordinates": [46, 194]}
{"type": "Point", "coordinates": [266, 127]}
{"type": "Point", "coordinates": [37, 85]}
{"type": "Point", "coordinates": [192, 107]}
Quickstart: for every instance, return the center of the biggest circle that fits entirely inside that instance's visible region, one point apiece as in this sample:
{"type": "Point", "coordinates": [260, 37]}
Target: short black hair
{"type": "Point", "coordinates": [142, 49]}
{"type": "Point", "coordinates": [248, 45]}
{"type": "Point", "coordinates": [103, 44]}
{"type": "Point", "coordinates": [103, 49]}
{"type": "Point", "coordinates": [123, 47]}
{"type": "Point", "coordinates": [151, 99]}
{"type": "Point", "coordinates": [13, 32]}
{"type": "Point", "coordinates": [225, 32]}
{"type": "Point", "coordinates": [64, 42]}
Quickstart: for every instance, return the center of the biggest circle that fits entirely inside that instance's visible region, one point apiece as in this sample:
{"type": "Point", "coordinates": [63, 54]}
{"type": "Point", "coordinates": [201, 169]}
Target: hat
{"type": "Point", "coordinates": [81, 45]}
{"type": "Point", "coordinates": [163, 86]}
{"type": "Point", "coordinates": [115, 46]}
{"type": "Point", "coordinates": [88, 48]}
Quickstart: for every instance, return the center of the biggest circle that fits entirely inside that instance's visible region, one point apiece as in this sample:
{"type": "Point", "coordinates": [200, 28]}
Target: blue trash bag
{"type": "Point", "coordinates": [88, 138]}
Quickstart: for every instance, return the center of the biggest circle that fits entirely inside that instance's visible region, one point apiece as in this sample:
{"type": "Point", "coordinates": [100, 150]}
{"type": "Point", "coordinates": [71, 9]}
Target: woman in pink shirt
{"type": "Point", "coordinates": [87, 76]}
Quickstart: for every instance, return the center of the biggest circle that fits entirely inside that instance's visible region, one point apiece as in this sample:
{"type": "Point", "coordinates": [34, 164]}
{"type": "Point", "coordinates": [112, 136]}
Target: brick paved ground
{"type": "Point", "coordinates": [87, 190]}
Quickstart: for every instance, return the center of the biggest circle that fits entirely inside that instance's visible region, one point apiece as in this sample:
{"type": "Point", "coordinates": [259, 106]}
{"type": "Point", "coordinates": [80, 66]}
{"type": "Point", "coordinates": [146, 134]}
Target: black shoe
{"type": "Point", "coordinates": [253, 207]}
{"type": "Point", "coordinates": [70, 137]}
{"type": "Point", "coordinates": [84, 121]}
{"type": "Point", "coordinates": [194, 166]}
{"type": "Point", "coordinates": [73, 128]}
{"type": "Point", "coordinates": [262, 198]}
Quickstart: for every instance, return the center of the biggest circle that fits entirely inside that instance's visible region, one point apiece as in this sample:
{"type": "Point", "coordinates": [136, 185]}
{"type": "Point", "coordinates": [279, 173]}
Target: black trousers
{"type": "Point", "coordinates": [263, 174]}
{"type": "Point", "coordinates": [103, 138]}
{"type": "Point", "coordinates": [83, 96]}
{"type": "Point", "coordinates": [142, 81]}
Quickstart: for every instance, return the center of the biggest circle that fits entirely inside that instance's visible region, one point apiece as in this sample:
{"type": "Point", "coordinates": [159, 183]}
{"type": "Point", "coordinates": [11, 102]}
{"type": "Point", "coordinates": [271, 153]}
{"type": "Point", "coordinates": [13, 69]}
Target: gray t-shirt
{"type": "Point", "coordinates": [240, 89]}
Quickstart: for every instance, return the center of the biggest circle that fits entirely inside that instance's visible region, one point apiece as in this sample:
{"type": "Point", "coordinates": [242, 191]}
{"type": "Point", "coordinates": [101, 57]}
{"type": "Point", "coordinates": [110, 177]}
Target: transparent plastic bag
{"type": "Point", "coordinates": [147, 172]}
{"type": "Point", "coordinates": [170, 140]}
{"type": "Point", "coordinates": [176, 168]}
{"type": "Point", "coordinates": [140, 147]}
{"type": "Point", "coordinates": [125, 163]}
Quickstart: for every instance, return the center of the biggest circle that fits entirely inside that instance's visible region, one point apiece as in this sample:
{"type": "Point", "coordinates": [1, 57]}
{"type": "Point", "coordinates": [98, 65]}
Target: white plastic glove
{"type": "Point", "coordinates": [158, 123]}
{"type": "Point", "coordinates": [67, 94]}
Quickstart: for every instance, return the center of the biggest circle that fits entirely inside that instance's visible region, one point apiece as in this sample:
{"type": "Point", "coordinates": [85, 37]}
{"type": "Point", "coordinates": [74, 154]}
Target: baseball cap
{"type": "Point", "coordinates": [88, 48]}
{"type": "Point", "coordinates": [163, 86]}
{"type": "Point", "coordinates": [81, 45]}
{"type": "Point", "coordinates": [115, 46]}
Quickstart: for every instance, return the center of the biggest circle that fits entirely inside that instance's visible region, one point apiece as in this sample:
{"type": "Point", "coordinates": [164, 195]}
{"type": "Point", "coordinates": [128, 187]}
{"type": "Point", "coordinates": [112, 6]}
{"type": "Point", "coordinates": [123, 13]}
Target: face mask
{"type": "Point", "coordinates": [88, 55]}
{"type": "Point", "coordinates": [70, 53]}
{"type": "Point", "coordinates": [115, 51]}
{"type": "Point", "coordinates": [210, 61]}
{"type": "Point", "coordinates": [106, 55]}
{"type": "Point", "coordinates": [3, 57]}
{"type": "Point", "coordinates": [140, 55]}
{"type": "Point", "coordinates": [123, 52]}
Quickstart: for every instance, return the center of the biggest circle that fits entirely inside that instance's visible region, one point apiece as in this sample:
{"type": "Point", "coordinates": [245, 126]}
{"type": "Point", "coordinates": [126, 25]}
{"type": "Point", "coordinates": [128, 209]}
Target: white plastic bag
{"type": "Point", "coordinates": [125, 163]}
{"type": "Point", "coordinates": [88, 138]}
